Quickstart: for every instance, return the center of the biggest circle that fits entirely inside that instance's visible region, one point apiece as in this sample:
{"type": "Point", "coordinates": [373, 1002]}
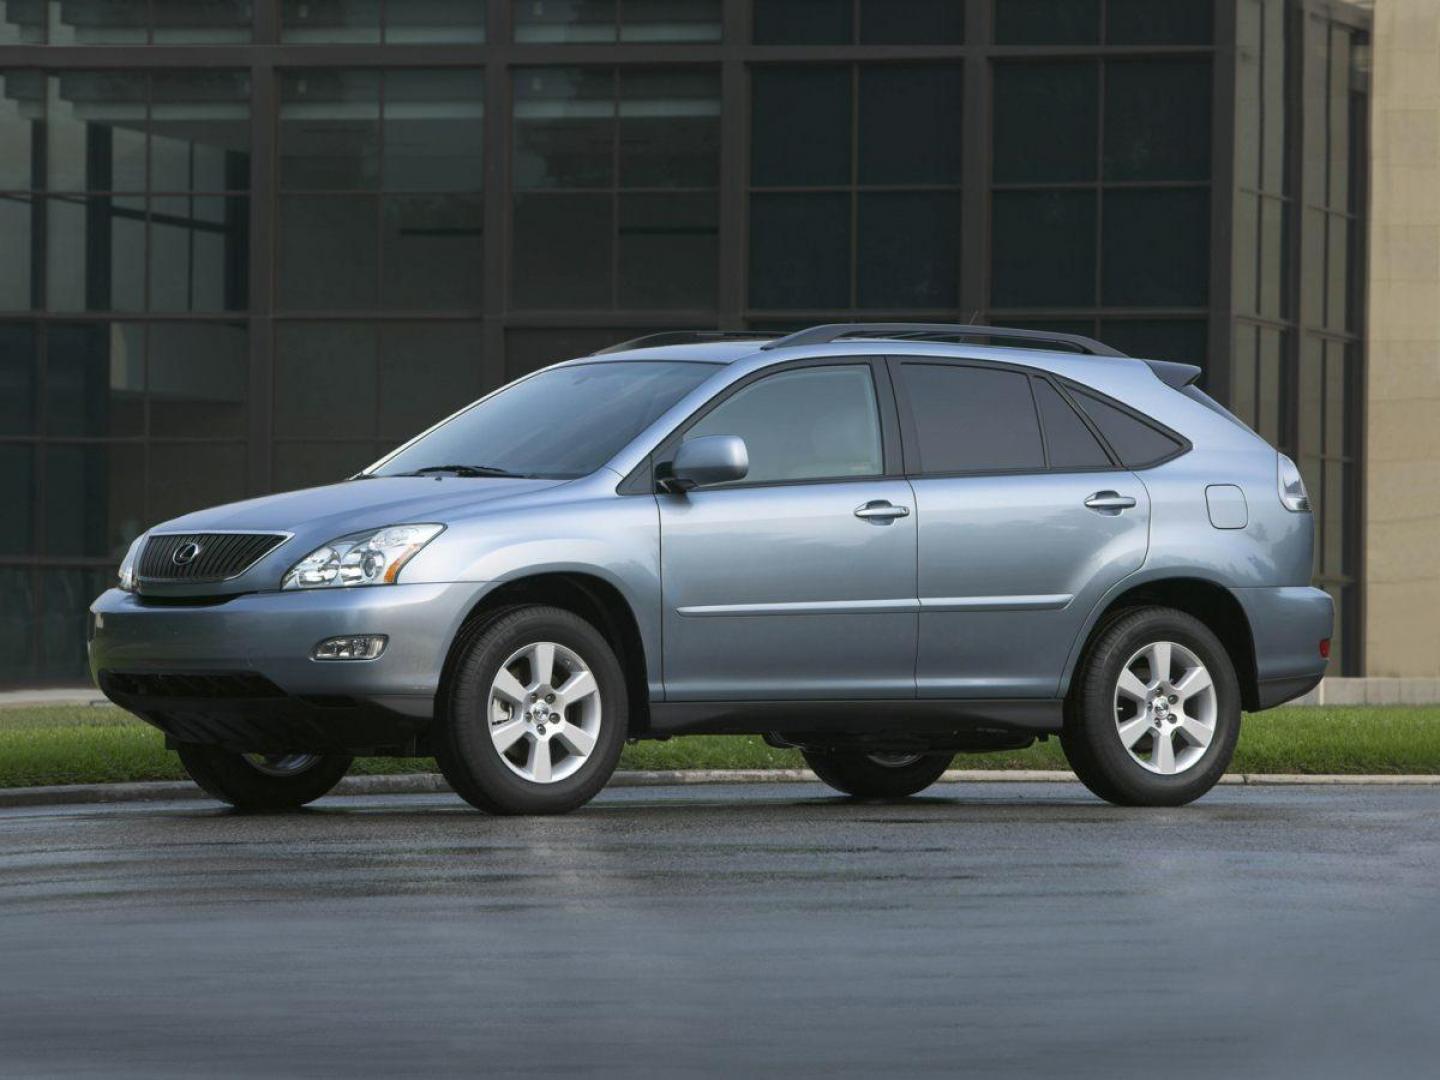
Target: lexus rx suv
{"type": "Point", "coordinates": [881, 544]}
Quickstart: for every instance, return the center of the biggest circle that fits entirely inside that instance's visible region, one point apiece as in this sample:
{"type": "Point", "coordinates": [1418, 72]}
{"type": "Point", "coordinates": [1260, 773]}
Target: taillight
{"type": "Point", "coordinates": [1325, 649]}
{"type": "Point", "coordinates": [1292, 486]}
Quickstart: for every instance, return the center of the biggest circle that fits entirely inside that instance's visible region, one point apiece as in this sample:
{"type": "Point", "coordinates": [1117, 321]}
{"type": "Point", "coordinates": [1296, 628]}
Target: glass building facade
{"type": "Point", "coordinates": [249, 245]}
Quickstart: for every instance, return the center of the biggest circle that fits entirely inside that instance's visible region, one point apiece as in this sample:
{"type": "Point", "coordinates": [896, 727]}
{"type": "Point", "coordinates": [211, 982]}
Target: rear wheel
{"type": "Point", "coordinates": [878, 775]}
{"type": "Point", "coordinates": [263, 781]}
{"type": "Point", "coordinates": [535, 715]}
{"type": "Point", "coordinates": [1155, 711]}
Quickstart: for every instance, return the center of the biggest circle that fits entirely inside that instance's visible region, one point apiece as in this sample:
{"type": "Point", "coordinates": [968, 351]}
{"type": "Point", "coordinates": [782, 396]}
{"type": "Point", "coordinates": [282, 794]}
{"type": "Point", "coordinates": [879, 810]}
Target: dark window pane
{"type": "Point", "coordinates": [566, 21]}
{"type": "Point", "coordinates": [19, 378]}
{"type": "Point", "coordinates": [185, 477]}
{"type": "Point", "coordinates": [564, 127]}
{"type": "Point", "coordinates": [800, 126]}
{"type": "Point", "coordinates": [313, 464]}
{"type": "Point", "coordinates": [909, 253]}
{"type": "Point", "coordinates": [434, 131]}
{"type": "Point", "coordinates": [1068, 442]}
{"type": "Point", "coordinates": [97, 22]}
{"type": "Point", "coordinates": [95, 379]}
{"type": "Point", "coordinates": [94, 493]}
{"type": "Point", "coordinates": [811, 424]}
{"type": "Point", "coordinates": [199, 253]}
{"type": "Point", "coordinates": [95, 126]}
{"type": "Point", "coordinates": [1047, 22]}
{"type": "Point", "coordinates": [804, 22]}
{"type": "Point", "coordinates": [971, 419]}
{"type": "Point", "coordinates": [17, 614]}
{"type": "Point", "coordinates": [200, 131]}
{"type": "Point", "coordinates": [1045, 121]}
{"type": "Point", "coordinates": [22, 99]}
{"type": "Point", "coordinates": [17, 495]}
{"type": "Point", "coordinates": [209, 22]}
{"type": "Point", "coordinates": [800, 251]}
{"type": "Point", "coordinates": [562, 250]}
{"type": "Point", "coordinates": [329, 130]}
{"type": "Point", "coordinates": [1157, 120]}
{"type": "Point", "coordinates": [327, 252]}
{"type": "Point", "coordinates": [325, 379]}
{"type": "Point", "coordinates": [671, 20]}
{"type": "Point", "coordinates": [199, 375]}
{"type": "Point", "coordinates": [443, 21]}
{"type": "Point", "coordinates": [1156, 248]}
{"type": "Point", "coordinates": [669, 128]}
{"type": "Point", "coordinates": [668, 250]}
{"type": "Point", "coordinates": [910, 125]}
{"type": "Point", "coordinates": [1135, 442]}
{"type": "Point", "coordinates": [432, 252]}
{"type": "Point", "coordinates": [95, 254]}
{"type": "Point", "coordinates": [1043, 249]}
{"type": "Point", "coordinates": [912, 22]}
{"type": "Point", "coordinates": [330, 21]}
{"type": "Point", "coordinates": [427, 372]}
{"type": "Point", "coordinates": [64, 611]}
{"type": "Point", "coordinates": [1182, 340]}
{"type": "Point", "coordinates": [1167, 22]}
{"type": "Point", "coordinates": [16, 283]}
{"type": "Point", "coordinates": [23, 23]}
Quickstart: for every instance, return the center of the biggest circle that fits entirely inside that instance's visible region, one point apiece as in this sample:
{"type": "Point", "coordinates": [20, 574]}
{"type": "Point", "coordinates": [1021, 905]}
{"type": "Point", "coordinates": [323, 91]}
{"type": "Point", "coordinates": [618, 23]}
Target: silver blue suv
{"type": "Point", "coordinates": [883, 544]}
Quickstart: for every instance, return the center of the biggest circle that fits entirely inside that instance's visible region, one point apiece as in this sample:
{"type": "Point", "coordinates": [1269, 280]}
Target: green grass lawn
{"type": "Point", "coordinates": [95, 744]}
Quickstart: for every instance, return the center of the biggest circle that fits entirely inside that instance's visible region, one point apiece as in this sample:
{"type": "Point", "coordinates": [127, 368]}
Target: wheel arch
{"type": "Point", "coordinates": [593, 598]}
{"type": "Point", "coordinates": [1204, 599]}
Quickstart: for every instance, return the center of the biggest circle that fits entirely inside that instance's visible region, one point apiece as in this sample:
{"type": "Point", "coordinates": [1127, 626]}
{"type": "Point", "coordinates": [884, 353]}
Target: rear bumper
{"type": "Point", "coordinates": [1287, 625]}
{"type": "Point", "coordinates": [239, 671]}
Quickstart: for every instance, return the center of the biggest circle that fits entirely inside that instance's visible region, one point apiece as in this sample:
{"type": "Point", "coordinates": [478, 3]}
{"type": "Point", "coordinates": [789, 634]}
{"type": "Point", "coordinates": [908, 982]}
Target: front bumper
{"type": "Point", "coordinates": [1287, 625]}
{"type": "Point", "coordinates": [237, 672]}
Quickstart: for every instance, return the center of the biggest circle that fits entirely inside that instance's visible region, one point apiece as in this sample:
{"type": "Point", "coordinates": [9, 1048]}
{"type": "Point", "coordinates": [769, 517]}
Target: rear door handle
{"type": "Point", "coordinates": [880, 510]}
{"type": "Point", "coordinates": [1109, 500]}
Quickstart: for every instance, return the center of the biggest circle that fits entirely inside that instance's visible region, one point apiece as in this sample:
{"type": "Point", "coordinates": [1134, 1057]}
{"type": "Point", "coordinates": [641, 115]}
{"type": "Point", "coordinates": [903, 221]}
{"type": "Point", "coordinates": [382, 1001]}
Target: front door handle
{"type": "Point", "coordinates": [1109, 500]}
{"type": "Point", "coordinates": [880, 510]}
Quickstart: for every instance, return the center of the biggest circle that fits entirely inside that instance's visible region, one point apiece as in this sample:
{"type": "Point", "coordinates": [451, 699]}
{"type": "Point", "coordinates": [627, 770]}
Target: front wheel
{"type": "Point", "coordinates": [1154, 715]}
{"type": "Point", "coordinates": [877, 776]}
{"type": "Point", "coordinates": [263, 781]}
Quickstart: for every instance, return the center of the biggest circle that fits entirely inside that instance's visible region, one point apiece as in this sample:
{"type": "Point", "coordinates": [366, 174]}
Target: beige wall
{"type": "Point", "coordinates": [1402, 555]}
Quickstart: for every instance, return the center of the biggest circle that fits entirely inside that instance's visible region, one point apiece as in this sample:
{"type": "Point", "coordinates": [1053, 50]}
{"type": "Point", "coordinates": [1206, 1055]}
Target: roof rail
{"type": "Point", "coordinates": [685, 337]}
{"type": "Point", "coordinates": [823, 335]}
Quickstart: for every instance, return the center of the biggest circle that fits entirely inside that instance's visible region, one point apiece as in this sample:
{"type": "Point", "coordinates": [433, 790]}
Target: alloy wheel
{"type": "Point", "coordinates": [1165, 708]}
{"type": "Point", "coordinates": [544, 712]}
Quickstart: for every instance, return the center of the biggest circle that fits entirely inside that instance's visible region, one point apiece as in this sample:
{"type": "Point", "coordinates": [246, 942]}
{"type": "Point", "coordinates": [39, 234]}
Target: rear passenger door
{"type": "Point", "coordinates": [1023, 525]}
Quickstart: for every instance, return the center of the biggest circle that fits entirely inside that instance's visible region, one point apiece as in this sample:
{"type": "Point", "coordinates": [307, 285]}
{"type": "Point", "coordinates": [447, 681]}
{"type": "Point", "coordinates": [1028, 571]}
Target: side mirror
{"type": "Point", "coordinates": [710, 459]}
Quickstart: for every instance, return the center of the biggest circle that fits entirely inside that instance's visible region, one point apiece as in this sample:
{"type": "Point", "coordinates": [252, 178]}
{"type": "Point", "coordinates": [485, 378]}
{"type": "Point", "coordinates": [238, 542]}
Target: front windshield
{"type": "Point", "coordinates": [561, 423]}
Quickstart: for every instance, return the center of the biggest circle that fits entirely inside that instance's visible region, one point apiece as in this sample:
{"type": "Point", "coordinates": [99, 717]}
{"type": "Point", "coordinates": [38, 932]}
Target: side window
{"type": "Point", "coordinates": [1069, 442]}
{"type": "Point", "coordinates": [818, 423]}
{"type": "Point", "coordinates": [972, 419]}
{"type": "Point", "coordinates": [1135, 442]}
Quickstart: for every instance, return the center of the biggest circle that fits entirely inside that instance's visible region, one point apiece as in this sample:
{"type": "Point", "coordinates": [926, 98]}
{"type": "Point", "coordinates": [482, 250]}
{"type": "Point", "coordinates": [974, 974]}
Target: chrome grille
{"type": "Point", "coordinates": [220, 555]}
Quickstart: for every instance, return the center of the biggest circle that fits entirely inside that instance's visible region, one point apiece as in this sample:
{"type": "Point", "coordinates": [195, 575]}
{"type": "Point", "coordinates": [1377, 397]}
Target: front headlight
{"type": "Point", "coordinates": [127, 565]}
{"type": "Point", "coordinates": [368, 558]}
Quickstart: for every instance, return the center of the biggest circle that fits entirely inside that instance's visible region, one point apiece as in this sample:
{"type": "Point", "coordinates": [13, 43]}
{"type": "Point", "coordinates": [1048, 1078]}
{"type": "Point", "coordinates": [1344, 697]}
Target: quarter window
{"type": "Point", "coordinates": [971, 419]}
{"type": "Point", "coordinates": [818, 423]}
{"type": "Point", "coordinates": [1135, 442]}
{"type": "Point", "coordinates": [1068, 441]}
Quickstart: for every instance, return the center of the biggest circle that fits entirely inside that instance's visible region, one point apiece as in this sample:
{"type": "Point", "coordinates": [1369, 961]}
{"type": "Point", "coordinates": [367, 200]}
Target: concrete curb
{"type": "Point", "coordinates": [434, 783]}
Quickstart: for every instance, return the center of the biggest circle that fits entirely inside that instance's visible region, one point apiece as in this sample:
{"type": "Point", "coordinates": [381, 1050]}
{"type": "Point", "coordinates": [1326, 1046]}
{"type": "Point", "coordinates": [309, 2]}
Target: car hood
{"type": "Point", "coordinates": [316, 515]}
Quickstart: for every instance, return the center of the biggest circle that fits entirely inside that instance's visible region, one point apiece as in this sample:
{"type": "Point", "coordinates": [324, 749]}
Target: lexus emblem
{"type": "Point", "coordinates": [186, 553]}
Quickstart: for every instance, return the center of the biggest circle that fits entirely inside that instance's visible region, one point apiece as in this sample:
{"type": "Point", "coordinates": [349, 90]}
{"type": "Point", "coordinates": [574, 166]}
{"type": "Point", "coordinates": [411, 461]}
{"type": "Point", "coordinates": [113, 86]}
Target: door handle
{"type": "Point", "coordinates": [1109, 500]}
{"type": "Point", "coordinates": [880, 510]}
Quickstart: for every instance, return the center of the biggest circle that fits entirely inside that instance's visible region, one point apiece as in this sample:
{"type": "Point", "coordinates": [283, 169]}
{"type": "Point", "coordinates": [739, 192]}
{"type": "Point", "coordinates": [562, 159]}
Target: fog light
{"type": "Point", "coordinates": [356, 647]}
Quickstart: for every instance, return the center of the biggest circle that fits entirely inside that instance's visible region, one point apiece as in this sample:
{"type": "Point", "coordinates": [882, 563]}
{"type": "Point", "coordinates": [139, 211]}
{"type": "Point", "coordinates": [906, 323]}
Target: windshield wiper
{"type": "Point", "coordinates": [460, 470]}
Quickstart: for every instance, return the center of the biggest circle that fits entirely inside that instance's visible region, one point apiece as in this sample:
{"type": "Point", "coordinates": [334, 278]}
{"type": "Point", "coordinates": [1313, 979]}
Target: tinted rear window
{"type": "Point", "coordinates": [1070, 443]}
{"type": "Point", "coordinates": [972, 419]}
{"type": "Point", "coordinates": [1135, 442]}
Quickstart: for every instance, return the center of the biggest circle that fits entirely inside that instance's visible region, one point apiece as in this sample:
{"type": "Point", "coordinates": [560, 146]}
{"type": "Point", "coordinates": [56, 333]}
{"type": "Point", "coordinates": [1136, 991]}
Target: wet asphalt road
{"type": "Point", "coordinates": [987, 930]}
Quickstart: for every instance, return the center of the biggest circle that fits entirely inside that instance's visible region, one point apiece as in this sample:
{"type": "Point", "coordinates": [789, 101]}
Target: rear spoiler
{"type": "Point", "coordinates": [1174, 375]}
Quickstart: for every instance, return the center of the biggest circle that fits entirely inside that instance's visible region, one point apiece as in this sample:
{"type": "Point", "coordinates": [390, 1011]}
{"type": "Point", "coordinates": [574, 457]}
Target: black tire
{"type": "Point", "coordinates": [233, 779]}
{"type": "Point", "coordinates": [1091, 738]}
{"type": "Point", "coordinates": [867, 776]}
{"type": "Point", "coordinates": [469, 758]}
